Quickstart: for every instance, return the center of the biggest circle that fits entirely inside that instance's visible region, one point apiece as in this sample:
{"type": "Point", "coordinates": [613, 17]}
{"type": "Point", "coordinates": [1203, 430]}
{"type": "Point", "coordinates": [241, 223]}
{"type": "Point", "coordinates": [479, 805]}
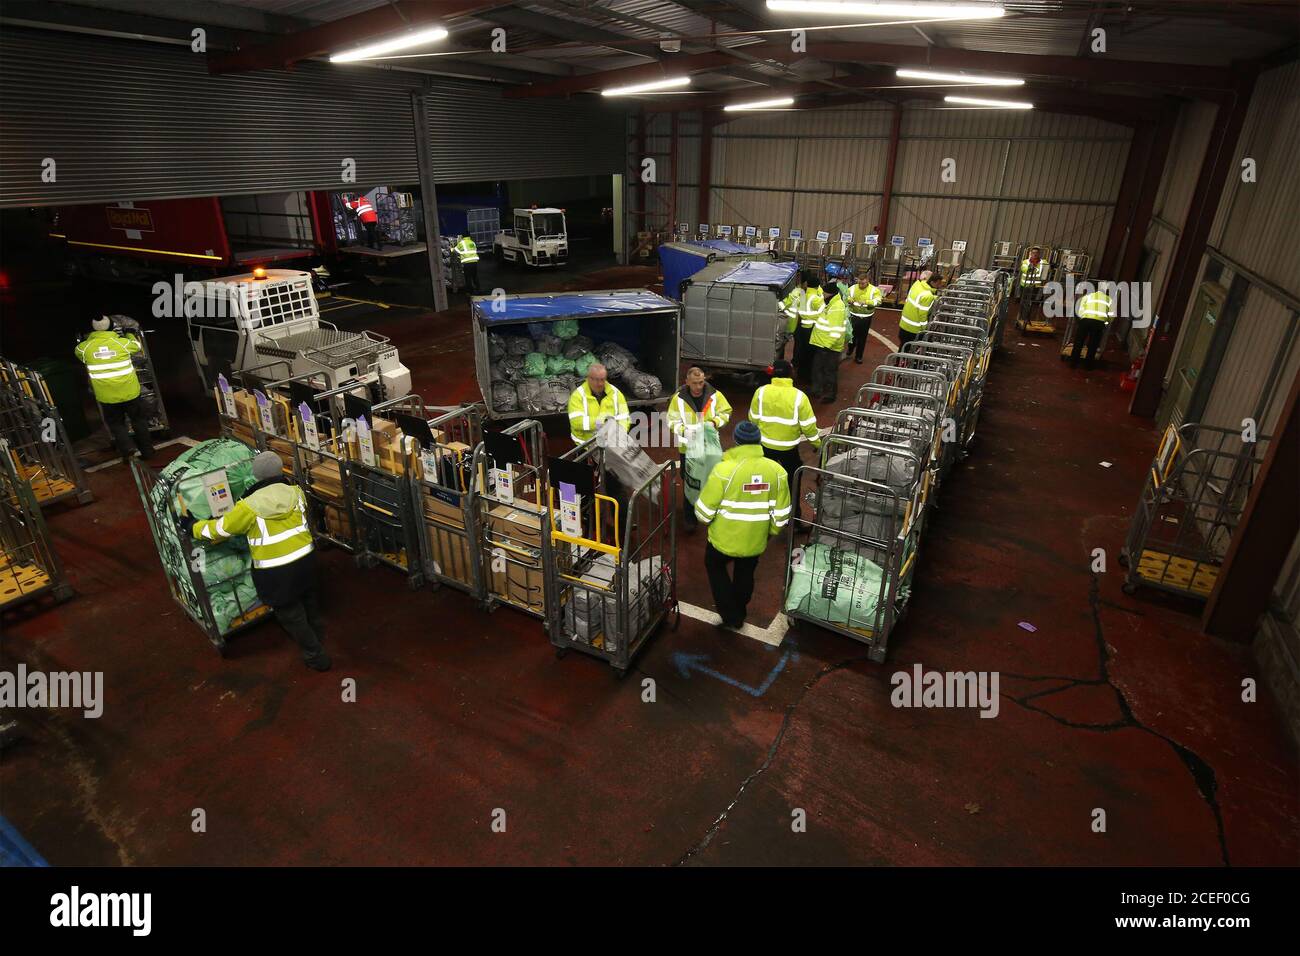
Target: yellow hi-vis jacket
{"type": "Point", "coordinates": [783, 415]}
{"type": "Point", "coordinates": [862, 300]}
{"type": "Point", "coordinates": [916, 310]}
{"type": "Point", "coordinates": [790, 308]}
{"type": "Point", "coordinates": [1095, 305]}
{"type": "Point", "coordinates": [108, 360]}
{"type": "Point", "coordinates": [812, 306]}
{"type": "Point", "coordinates": [585, 412]}
{"type": "Point", "coordinates": [681, 412]}
{"type": "Point", "coordinates": [1029, 275]}
{"type": "Point", "coordinates": [833, 330]}
{"type": "Point", "coordinates": [467, 250]}
{"type": "Point", "coordinates": [272, 518]}
{"type": "Point", "coordinates": [745, 501]}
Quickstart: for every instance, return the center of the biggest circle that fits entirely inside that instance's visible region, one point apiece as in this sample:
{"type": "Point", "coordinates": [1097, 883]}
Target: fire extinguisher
{"type": "Point", "coordinates": [1129, 382]}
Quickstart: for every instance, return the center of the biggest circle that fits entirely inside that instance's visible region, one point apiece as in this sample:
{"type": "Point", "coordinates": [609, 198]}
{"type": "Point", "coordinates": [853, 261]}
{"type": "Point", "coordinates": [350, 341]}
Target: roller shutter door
{"type": "Point", "coordinates": [133, 120]}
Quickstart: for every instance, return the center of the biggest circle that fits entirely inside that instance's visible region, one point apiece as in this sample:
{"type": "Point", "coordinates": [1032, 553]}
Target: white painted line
{"type": "Point", "coordinates": [893, 346]}
{"type": "Point", "coordinates": [182, 440]}
{"type": "Point", "coordinates": [773, 634]}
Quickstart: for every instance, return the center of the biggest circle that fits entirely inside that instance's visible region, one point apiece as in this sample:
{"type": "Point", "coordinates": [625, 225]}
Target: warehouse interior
{"type": "Point", "coordinates": [197, 142]}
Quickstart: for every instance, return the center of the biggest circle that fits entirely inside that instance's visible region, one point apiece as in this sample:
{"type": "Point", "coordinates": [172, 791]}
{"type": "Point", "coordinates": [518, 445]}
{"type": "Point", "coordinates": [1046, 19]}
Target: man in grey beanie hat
{"type": "Point", "coordinates": [107, 355]}
{"type": "Point", "coordinates": [272, 515]}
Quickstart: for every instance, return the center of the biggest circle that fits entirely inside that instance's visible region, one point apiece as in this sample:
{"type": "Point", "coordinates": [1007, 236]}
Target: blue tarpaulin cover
{"type": "Point", "coordinates": [680, 260]}
{"type": "Point", "coordinates": [772, 274]}
{"type": "Point", "coordinates": [576, 305]}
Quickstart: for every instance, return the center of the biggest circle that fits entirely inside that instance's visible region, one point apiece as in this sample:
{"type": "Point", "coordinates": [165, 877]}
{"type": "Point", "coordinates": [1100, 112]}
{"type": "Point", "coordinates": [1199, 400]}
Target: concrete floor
{"type": "Point", "coordinates": [1114, 702]}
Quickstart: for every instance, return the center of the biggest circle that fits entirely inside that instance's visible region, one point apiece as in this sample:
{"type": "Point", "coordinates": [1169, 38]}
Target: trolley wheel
{"type": "Point", "coordinates": [1128, 587]}
{"type": "Point", "coordinates": [63, 592]}
{"type": "Point", "coordinates": [367, 561]}
{"type": "Point", "coordinates": [876, 654]}
{"type": "Point", "coordinates": [677, 615]}
{"type": "Point", "coordinates": [85, 497]}
{"type": "Point", "coordinates": [620, 673]}
{"type": "Point", "coordinates": [415, 582]}
{"type": "Point", "coordinates": [1123, 559]}
{"type": "Point", "coordinates": [222, 647]}
{"type": "Point", "coordinates": [561, 653]}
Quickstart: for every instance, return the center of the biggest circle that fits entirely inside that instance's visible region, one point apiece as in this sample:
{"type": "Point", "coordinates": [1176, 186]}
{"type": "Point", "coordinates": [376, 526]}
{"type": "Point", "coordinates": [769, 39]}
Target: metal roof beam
{"type": "Point", "coordinates": [341, 34]}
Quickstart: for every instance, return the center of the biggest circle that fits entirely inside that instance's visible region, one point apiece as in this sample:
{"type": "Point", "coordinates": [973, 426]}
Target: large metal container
{"type": "Point", "coordinates": [646, 324]}
{"type": "Point", "coordinates": [680, 260]}
{"type": "Point", "coordinates": [731, 314]}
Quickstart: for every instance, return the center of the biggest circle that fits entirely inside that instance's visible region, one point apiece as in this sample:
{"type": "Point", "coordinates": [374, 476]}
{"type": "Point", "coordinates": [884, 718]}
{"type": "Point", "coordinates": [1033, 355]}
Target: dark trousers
{"type": "Point", "coordinates": [861, 331]}
{"type": "Point", "coordinates": [303, 622]}
{"type": "Point", "coordinates": [905, 336]}
{"type": "Point", "coordinates": [116, 415]}
{"type": "Point", "coordinates": [825, 372]}
{"type": "Point", "coordinates": [731, 592]}
{"type": "Point", "coordinates": [802, 358]}
{"type": "Point", "coordinates": [1087, 333]}
{"type": "Point", "coordinates": [790, 460]}
{"type": "Point", "coordinates": [470, 270]}
{"type": "Point", "coordinates": [372, 234]}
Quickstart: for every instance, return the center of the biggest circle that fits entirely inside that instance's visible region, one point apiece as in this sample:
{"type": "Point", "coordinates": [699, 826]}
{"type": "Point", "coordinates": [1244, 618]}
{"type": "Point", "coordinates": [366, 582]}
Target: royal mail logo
{"type": "Point", "coordinates": [139, 219]}
{"type": "Point", "coordinates": [756, 484]}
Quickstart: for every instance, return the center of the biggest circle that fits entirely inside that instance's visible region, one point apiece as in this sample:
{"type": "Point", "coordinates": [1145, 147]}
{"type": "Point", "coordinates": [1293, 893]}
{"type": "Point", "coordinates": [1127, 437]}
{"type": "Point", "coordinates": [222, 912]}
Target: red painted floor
{"type": "Point", "coordinates": [1113, 703]}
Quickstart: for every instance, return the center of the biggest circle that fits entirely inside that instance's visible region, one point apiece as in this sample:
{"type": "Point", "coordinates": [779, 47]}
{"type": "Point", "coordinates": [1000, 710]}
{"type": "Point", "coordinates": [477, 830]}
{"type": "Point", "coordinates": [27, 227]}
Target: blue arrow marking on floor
{"type": "Point", "coordinates": [685, 663]}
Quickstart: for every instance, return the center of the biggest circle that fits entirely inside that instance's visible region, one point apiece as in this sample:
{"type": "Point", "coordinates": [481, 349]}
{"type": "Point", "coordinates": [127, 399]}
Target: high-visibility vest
{"type": "Point", "coordinates": [783, 415]}
{"type": "Point", "coordinates": [681, 413]}
{"type": "Point", "coordinates": [812, 306]}
{"type": "Point", "coordinates": [365, 212]}
{"type": "Point", "coordinates": [273, 519]}
{"type": "Point", "coordinates": [916, 310]}
{"type": "Point", "coordinates": [745, 501]}
{"type": "Point", "coordinates": [467, 251]}
{"type": "Point", "coordinates": [862, 300]}
{"type": "Point", "coordinates": [832, 330]}
{"type": "Point", "coordinates": [1095, 305]}
{"type": "Point", "coordinates": [108, 360]}
{"type": "Point", "coordinates": [790, 308]}
{"type": "Point", "coordinates": [585, 411]}
{"type": "Point", "coordinates": [1039, 273]}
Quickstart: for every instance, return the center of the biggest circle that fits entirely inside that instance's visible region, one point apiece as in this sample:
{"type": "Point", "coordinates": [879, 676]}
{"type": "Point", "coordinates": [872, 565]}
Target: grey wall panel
{"type": "Point", "coordinates": [856, 123]}
{"type": "Point", "coordinates": [958, 123]}
{"type": "Point", "coordinates": [1186, 152]}
{"type": "Point", "coordinates": [1063, 169]}
{"type": "Point", "coordinates": [944, 220]}
{"type": "Point", "coordinates": [130, 120]}
{"type": "Point", "coordinates": [1256, 222]}
{"type": "Point", "coordinates": [760, 207]}
{"type": "Point", "coordinates": [1247, 385]}
{"type": "Point", "coordinates": [1057, 224]}
{"type": "Point", "coordinates": [835, 213]}
{"type": "Point", "coordinates": [851, 165]}
{"type": "Point", "coordinates": [757, 162]}
{"type": "Point", "coordinates": [476, 134]}
{"type": "Point", "coordinates": [921, 166]}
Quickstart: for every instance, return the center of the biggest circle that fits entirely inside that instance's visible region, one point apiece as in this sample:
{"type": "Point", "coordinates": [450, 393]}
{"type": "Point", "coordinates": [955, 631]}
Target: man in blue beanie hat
{"type": "Point", "coordinates": [745, 501]}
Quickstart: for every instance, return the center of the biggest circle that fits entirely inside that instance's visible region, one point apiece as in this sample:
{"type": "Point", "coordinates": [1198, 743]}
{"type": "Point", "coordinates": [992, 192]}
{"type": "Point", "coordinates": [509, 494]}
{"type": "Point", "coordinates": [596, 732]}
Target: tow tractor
{"type": "Point", "coordinates": [270, 317]}
{"type": "Point", "coordinates": [540, 238]}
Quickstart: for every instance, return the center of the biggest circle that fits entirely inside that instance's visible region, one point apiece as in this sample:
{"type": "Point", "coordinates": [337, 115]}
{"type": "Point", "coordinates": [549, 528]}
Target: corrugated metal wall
{"type": "Point", "coordinates": [133, 120]}
{"type": "Point", "coordinates": [1037, 177]}
{"type": "Point", "coordinates": [1254, 229]}
{"type": "Point", "coordinates": [129, 120]}
{"type": "Point", "coordinates": [476, 135]}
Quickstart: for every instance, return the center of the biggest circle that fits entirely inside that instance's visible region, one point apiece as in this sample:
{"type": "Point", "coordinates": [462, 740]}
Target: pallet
{"type": "Point", "coordinates": [21, 581]}
{"type": "Point", "coordinates": [1166, 570]}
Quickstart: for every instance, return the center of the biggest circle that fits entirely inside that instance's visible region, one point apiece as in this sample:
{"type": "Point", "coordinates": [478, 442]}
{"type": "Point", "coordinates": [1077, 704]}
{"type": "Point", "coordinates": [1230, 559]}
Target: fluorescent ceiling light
{"type": "Point", "coordinates": [933, 11]}
{"type": "Point", "coordinates": [959, 78]}
{"type": "Point", "coordinates": [403, 42]}
{"type": "Point", "coordinates": [761, 104]}
{"type": "Point", "coordinates": [999, 104]}
{"type": "Point", "coordinates": [650, 87]}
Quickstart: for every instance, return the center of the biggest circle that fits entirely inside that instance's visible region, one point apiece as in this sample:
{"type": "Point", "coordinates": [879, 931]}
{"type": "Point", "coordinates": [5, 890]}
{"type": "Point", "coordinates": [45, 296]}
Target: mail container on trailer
{"type": "Point", "coordinates": [639, 321]}
{"type": "Point", "coordinates": [680, 260]}
{"type": "Point", "coordinates": [732, 314]}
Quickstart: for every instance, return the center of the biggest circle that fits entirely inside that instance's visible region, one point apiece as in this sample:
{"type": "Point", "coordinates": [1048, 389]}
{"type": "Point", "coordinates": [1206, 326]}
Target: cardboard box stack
{"type": "Point", "coordinates": [517, 533]}
{"type": "Point", "coordinates": [448, 544]}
